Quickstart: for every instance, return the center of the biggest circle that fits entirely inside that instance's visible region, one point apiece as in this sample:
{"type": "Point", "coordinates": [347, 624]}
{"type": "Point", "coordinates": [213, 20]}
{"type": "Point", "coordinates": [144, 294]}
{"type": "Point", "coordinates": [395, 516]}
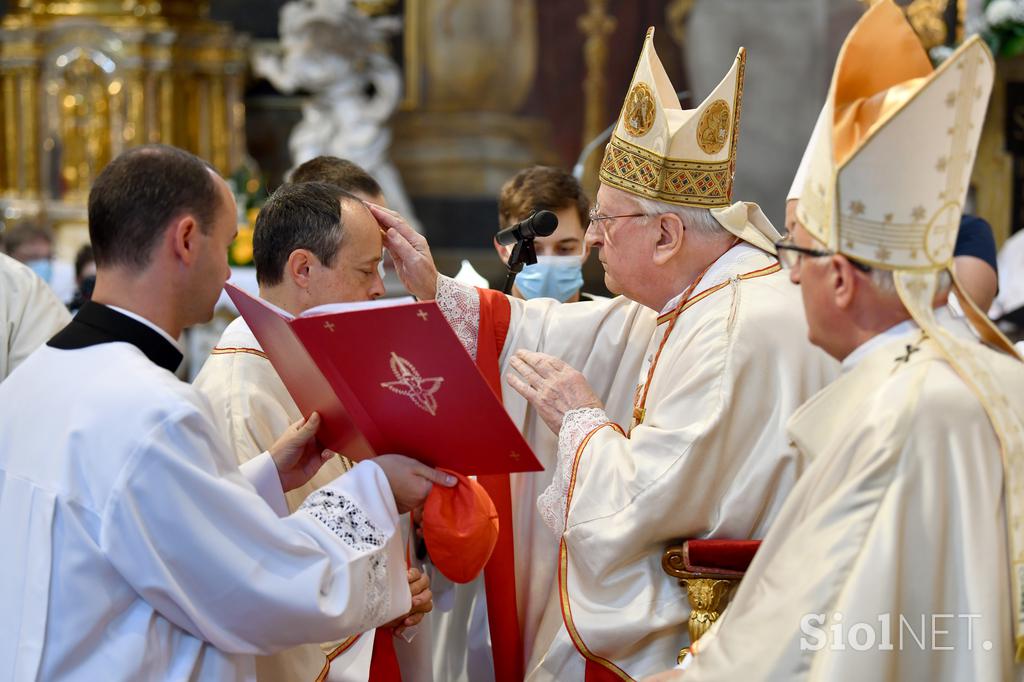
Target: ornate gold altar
{"type": "Point", "coordinates": [81, 81]}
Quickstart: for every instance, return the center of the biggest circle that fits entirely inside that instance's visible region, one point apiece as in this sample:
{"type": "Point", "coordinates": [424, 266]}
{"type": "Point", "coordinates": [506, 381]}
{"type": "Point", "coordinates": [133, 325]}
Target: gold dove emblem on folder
{"type": "Point", "coordinates": [410, 383]}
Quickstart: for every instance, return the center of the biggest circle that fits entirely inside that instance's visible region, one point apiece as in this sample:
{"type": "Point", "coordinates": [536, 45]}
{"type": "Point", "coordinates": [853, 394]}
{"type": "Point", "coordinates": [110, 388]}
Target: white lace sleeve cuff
{"type": "Point", "coordinates": [576, 424]}
{"type": "Point", "coordinates": [460, 305]}
{"type": "Point", "coordinates": [343, 517]}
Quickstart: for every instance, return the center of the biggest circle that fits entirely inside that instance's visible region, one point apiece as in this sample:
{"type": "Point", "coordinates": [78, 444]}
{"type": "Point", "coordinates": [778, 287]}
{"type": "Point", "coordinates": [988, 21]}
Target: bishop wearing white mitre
{"type": "Point", "coordinates": [137, 549]}
{"type": "Point", "coordinates": [900, 553]}
{"type": "Point", "coordinates": [669, 401]}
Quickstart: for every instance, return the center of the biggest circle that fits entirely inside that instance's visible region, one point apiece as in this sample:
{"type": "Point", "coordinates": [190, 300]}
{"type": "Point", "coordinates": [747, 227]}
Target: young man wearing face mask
{"type": "Point", "coordinates": [33, 245]}
{"type": "Point", "coordinates": [558, 272]}
{"type": "Point", "coordinates": [29, 314]}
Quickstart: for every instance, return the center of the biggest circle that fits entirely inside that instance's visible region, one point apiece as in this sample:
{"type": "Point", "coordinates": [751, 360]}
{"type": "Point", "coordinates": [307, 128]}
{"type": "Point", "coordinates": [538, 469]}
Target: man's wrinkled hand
{"type": "Point", "coordinates": [410, 251]}
{"type": "Point", "coordinates": [297, 455]}
{"type": "Point", "coordinates": [422, 602]}
{"type": "Point", "coordinates": [551, 386]}
{"type": "Point", "coordinates": [410, 480]}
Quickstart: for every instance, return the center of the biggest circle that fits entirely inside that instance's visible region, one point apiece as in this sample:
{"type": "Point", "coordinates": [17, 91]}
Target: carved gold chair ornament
{"type": "Point", "coordinates": [709, 571]}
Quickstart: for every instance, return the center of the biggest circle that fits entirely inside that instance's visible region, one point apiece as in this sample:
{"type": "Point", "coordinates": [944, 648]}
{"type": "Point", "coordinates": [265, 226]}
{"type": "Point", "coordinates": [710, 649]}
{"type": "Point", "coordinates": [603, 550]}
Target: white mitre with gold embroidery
{"type": "Point", "coordinates": [886, 184]}
{"type": "Point", "coordinates": [683, 156]}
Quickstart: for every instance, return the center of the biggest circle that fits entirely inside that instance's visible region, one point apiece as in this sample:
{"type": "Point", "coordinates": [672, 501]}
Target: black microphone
{"type": "Point", "coordinates": [540, 224]}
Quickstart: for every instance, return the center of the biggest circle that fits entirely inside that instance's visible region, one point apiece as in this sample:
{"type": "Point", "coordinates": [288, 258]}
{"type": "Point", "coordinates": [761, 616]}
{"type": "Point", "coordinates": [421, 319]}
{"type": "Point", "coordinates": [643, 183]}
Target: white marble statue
{"type": "Point", "coordinates": [335, 52]}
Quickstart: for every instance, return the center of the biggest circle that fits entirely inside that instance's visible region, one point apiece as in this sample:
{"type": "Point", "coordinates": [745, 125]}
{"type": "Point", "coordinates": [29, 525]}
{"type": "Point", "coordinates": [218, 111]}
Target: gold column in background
{"type": "Point", "coordinates": [597, 25]}
{"type": "Point", "coordinates": [82, 81]}
{"type": "Point", "coordinates": [469, 68]}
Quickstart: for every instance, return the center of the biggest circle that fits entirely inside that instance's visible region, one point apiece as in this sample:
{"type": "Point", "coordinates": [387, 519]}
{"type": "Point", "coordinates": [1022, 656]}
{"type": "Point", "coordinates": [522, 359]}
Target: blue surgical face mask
{"type": "Point", "coordinates": [557, 277]}
{"type": "Point", "coordinates": [42, 267]}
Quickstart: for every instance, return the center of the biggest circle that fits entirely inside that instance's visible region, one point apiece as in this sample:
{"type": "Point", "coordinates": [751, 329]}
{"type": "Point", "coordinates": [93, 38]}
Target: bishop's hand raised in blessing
{"type": "Point", "coordinates": [410, 251]}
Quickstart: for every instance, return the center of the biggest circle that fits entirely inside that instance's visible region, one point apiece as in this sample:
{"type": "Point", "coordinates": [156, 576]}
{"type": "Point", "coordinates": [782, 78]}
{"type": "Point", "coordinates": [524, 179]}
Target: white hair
{"type": "Point", "coordinates": [884, 282]}
{"type": "Point", "coordinates": [699, 219]}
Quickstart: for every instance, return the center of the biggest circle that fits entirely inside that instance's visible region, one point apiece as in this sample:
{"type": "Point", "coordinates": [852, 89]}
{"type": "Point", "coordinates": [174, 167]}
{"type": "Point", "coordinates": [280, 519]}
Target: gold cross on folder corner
{"type": "Point", "coordinates": [422, 314]}
{"type": "Point", "coordinates": [329, 326]}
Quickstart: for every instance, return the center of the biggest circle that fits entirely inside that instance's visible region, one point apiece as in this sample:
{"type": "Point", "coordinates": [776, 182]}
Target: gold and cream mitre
{"type": "Point", "coordinates": [661, 151]}
{"type": "Point", "coordinates": [888, 175]}
{"type": "Point", "coordinates": [890, 167]}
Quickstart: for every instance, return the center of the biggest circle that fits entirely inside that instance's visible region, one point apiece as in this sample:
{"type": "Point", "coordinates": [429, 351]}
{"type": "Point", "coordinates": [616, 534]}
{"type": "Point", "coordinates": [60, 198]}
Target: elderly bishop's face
{"type": "Point", "coordinates": [621, 231]}
{"type": "Point", "coordinates": [812, 274]}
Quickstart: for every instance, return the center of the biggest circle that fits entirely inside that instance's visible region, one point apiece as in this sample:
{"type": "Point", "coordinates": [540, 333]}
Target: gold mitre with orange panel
{"type": "Point", "coordinates": [886, 184]}
{"type": "Point", "coordinates": [890, 168]}
{"type": "Point", "coordinates": [661, 151]}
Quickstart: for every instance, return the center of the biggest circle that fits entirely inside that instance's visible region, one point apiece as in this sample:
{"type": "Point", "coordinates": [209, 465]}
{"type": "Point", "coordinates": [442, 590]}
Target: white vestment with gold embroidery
{"type": "Point", "coordinates": [889, 559]}
{"type": "Point", "coordinates": [710, 458]}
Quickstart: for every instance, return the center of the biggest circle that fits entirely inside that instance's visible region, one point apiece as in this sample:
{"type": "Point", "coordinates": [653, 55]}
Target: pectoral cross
{"type": "Point", "coordinates": [910, 350]}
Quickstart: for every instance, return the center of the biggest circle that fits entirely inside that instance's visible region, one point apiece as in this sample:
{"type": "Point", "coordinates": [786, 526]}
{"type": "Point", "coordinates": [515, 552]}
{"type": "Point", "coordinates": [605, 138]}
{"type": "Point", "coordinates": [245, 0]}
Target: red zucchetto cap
{"type": "Point", "coordinates": [460, 528]}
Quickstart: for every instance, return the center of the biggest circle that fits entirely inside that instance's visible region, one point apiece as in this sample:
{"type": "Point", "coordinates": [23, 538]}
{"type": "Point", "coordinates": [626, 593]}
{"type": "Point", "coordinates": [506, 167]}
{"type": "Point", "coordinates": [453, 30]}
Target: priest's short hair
{"type": "Point", "coordinates": [340, 172]}
{"type": "Point", "coordinates": [138, 194]}
{"type": "Point", "coordinates": [306, 215]}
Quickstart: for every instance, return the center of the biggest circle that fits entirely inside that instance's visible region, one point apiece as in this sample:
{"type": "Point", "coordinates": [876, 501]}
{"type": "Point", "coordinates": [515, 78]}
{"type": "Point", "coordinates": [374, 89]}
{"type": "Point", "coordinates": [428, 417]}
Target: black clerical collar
{"type": "Point", "coordinates": [95, 323]}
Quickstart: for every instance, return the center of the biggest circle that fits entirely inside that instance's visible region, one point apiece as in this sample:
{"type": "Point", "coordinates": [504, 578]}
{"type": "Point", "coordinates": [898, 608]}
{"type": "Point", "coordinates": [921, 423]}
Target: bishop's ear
{"type": "Point", "coordinates": [844, 279]}
{"type": "Point", "coordinates": [671, 236]}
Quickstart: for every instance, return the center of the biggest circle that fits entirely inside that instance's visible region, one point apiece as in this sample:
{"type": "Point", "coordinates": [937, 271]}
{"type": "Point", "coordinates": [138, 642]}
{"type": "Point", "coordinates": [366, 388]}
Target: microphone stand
{"type": "Point", "coordinates": [522, 254]}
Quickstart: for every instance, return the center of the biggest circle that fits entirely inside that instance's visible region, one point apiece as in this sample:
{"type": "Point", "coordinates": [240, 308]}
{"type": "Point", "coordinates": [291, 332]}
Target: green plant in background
{"type": "Point", "coordinates": [1001, 25]}
{"type": "Point", "coordinates": [250, 194]}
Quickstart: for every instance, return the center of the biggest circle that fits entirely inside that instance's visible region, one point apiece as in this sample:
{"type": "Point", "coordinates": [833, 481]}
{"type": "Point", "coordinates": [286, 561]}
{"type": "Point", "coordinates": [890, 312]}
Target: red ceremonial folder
{"type": "Point", "coordinates": [389, 377]}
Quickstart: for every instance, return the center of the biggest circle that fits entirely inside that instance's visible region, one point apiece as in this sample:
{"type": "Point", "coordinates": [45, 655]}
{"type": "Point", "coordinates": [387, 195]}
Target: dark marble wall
{"type": "Point", "coordinates": [558, 92]}
{"type": "Point", "coordinates": [261, 23]}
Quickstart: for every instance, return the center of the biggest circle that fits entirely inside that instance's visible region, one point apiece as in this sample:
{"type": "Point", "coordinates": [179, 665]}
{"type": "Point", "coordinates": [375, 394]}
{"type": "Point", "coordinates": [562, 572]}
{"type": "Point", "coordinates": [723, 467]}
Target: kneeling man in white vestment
{"type": "Point", "coordinates": [313, 244]}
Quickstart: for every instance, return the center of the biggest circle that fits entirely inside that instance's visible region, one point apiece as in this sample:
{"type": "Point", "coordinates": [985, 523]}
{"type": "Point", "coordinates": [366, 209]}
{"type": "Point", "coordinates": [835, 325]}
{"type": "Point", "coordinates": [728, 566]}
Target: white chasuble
{"type": "Point", "coordinates": [889, 560]}
{"type": "Point", "coordinates": [143, 551]}
{"type": "Point", "coordinates": [708, 456]}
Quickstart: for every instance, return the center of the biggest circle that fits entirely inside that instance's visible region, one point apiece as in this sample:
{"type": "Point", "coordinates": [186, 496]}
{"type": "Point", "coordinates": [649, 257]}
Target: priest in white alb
{"type": "Point", "coordinates": [900, 553]}
{"type": "Point", "coordinates": [669, 401]}
{"type": "Point", "coordinates": [139, 549]}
